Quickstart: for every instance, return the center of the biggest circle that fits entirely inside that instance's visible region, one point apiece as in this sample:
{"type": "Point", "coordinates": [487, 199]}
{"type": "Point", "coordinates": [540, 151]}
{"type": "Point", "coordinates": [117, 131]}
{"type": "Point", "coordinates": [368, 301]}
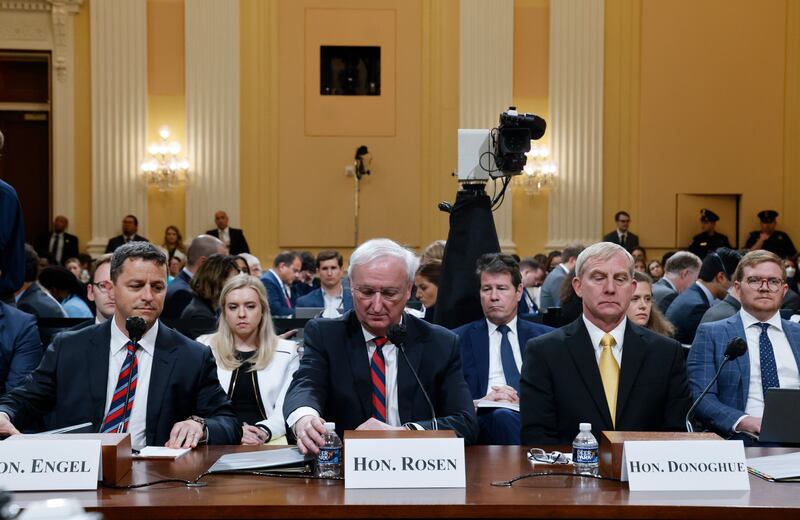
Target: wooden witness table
{"type": "Point", "coordinates": [244, 496]}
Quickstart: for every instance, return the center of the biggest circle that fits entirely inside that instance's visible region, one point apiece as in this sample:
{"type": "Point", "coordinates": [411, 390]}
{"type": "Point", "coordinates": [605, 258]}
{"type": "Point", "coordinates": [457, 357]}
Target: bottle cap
{"type": "Point", "coordinates": [585, 426]}
{"type": "Point", "coordinates": [330, 426]}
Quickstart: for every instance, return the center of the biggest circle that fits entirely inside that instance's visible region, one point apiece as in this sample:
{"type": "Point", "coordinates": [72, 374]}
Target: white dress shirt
{"type": "Point", "coordinates": [333, 304]}
{"type": "Point", "coordinates": [596, 334]}
{"type": "Point", "coordinates": [497, 376]}
{"type": "Point", "coordinates": [144, 355]}
{"type": "Point", "coordinates": [225, 235]}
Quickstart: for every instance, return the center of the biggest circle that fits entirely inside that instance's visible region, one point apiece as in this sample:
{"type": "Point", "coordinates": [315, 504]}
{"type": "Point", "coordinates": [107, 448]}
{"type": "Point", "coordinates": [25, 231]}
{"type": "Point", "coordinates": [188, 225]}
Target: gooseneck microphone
{"type": "Point", "coordinates": [136, 328]}
{"type": "Point", "coordinates": [736, 347]}
{"type": "Point", "coordinates": [397, 335]}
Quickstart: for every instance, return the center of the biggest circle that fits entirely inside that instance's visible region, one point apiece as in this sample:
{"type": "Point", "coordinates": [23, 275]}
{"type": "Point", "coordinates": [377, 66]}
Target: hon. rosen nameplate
{"type": "Point", "coordinates": [403, 460]}
{"type": "Point", "coordinates": [49, 465]}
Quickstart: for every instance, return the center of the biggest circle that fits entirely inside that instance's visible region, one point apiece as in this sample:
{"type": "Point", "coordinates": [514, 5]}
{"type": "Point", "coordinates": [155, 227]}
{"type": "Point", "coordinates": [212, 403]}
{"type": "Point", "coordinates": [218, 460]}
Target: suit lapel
{"type": "Point", "coordinates": [406, 382]}
{"type": "Point", "coordinates": [633, 354]}
{"type": "Point", "coordinates": [480, 339]}
{"type": "Point", "coordinates": [165, 354]}
{"type": "Point", "coordinates": [359, 364]}
{"type": "Point", "coordinates": [580, 348]}
{"type": "Point", "coordinates": [792, 334]}
{"type": "Point", "coordinates": [97, 356]}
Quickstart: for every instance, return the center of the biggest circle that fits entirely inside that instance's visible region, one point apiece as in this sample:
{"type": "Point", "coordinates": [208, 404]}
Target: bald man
{"type": "Point", "coordinates": [231, 237]}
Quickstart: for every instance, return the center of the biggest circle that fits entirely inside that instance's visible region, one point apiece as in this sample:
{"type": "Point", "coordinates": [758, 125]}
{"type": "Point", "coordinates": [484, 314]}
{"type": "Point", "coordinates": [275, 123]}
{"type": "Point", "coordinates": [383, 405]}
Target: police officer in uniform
{"type": "Point", "coordinates": [709, 239]}
{"type": "Point", "coordinates": [768, 238]}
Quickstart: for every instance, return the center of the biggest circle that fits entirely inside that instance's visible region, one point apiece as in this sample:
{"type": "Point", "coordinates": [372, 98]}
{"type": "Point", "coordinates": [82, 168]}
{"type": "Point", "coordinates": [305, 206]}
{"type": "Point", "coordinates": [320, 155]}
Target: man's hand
{"type": "Point", "coordinates": [185, 434]}
{"type": "Point", "coordinates": [6, 428]}
{"type": "Point", "coordinates": [309, 431]}
{"type": "Point", "coordinates": [253, 434]}
{"type": "Point", "coordinates": [374, 424]}
{"type": "Point", "coordinates": [750, 424]}
{"type": "Point", "coordinates": [289, 334]}
{"type": "Point", "coordinates": [503, 393]}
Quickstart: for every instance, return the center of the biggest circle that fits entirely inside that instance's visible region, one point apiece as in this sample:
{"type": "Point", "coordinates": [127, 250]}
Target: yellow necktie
{"type": "Point", "coordinates": [609, 373]}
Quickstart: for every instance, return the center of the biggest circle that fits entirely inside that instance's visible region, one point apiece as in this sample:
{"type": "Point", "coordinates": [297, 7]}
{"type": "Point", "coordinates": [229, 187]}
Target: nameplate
{"type": "Point", "coordinates": [685, 466]}
{"type": "Point", "coordinates": [49, 465]}
{"type": "Point", "coordinates": [403, 460]}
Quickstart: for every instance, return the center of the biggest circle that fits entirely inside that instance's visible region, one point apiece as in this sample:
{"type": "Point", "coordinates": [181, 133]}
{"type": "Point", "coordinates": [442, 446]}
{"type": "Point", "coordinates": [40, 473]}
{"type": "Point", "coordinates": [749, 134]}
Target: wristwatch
{"type": "Point", "coordinates": [202, 422]}
{"type": "Point", "coordinates": [266, 429]}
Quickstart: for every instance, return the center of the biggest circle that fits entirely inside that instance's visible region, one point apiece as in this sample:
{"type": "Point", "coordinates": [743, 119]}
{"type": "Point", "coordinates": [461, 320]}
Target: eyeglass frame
{"type": "Point", "coordinates": [554, 457]}
{"type": "Point", "coordinates": [781, 282]}
{"type": "Point", "coordinates": [102, 287]}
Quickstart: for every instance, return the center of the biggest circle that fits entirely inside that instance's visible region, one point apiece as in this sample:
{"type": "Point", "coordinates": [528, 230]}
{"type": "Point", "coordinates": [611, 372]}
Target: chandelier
{"type": "Point", "coordinates": [539, 171]}
{"type": "Point", "coordinates": [163, 167]}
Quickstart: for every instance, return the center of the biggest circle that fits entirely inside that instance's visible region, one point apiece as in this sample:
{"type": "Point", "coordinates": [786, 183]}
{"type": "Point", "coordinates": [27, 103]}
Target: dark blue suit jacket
{"type": "Point", "coordinates": [524, 308]}
{"type": "Point", "coordinates": [71, 382]}
{"type": "Point", "coordinates": [20, 347]}
{"type": "Point", "coordinates": [315, 299]}
{"type": "Point", "coordinates": [12, 241]}
{"type": "Point", "coordinates": [686, 311]}
{"type": "Point", "coordinates": [726, 400]}
{"type": "Point", "coordinates": [276, 297]}
{"type": "Point", "coordinates": [473, 339]}
{"type": "Point", "coordinates": [334, 377]}
{"type": "Point", "coordinates": [179, 295]}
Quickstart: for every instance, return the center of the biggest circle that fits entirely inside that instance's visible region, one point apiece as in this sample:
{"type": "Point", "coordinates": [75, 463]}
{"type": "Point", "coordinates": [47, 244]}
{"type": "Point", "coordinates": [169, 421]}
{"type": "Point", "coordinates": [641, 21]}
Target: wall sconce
{"type": "Point", "coordinates": [539, 171]}
{"type": "Point", "coordinates": [163, 166]}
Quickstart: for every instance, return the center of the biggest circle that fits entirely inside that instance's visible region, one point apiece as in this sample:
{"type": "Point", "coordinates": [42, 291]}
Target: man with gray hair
{"type": "Point", "coordinates": [602, 368]}
{"type": "Point", "coordinates": [680, 272]}
{"type": "Point", "coordinates": [361, 373]}
{"type": "Point", "coordinates": [179, 293]}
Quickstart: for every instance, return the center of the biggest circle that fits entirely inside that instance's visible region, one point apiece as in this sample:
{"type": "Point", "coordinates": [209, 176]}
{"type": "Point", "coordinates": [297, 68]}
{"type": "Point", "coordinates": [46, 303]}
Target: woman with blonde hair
{"type": "Point", "coordinates": [641, 310]}
{"type": "Point", "coordinates": [254, 365]}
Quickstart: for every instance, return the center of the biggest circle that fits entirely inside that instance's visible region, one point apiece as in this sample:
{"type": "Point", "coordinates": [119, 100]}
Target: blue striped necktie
{"type": "Point", "coordinates": [119, 412]}
{"type": "Point", "coordinates": [378, 375]}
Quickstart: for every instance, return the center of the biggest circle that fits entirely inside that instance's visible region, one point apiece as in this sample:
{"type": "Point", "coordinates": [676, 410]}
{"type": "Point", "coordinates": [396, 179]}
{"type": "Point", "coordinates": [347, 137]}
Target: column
{"type": "Point", "coordinates": [212, 112]}
{"type": "Point", "coordinates": [119, 117]}
{"type": "Point", "coordinates": [576, 120]}
{"type": "Point", "coordinates": [486, 81]}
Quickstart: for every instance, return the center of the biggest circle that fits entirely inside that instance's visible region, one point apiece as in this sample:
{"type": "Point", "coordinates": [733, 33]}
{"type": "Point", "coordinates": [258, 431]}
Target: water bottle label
{"type": "Point", "coordinates": [329, 455]}
{"type": "Point", "coordinates": [584, 455]}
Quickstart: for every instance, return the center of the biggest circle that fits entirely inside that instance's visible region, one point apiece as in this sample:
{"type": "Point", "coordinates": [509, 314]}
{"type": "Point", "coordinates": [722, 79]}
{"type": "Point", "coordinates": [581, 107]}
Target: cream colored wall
{"type": "Point", "coordinates": [81, 224]}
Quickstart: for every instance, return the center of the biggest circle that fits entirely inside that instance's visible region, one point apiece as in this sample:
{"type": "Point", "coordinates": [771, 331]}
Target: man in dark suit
{"type": "Point", "coordinates": [492, 349]}
{"type": "Point", "coordinates": [532, 273]}
{"type": "Point", "coordinates": [708, 239]}
{"type": "Point", "coordinates": [715, 278]}
{"type": "Point", "coordinates": [179, 292]}
{"type": "Point", "coordinates": [622, 236]}
{"type": "Point", "coordinates": [769, 238]}
{"type": "Point", "coordinates": [723, 309]}
{"type": "Point", "coordinates": [735, 403]}
{"type": "Point", "coordinates": [172, 395]}
{"type": "Point", "coordinates": [58, 243]}
{"type": "Point", "coordinates": [12, 241]}
{"type": "Point", "coordinates": [32, 299]}
{"type": "Point", "coordinates": [130, 225]}
{"type": "Point", "coordinates": [233, 238]}
{"type": "Point", "coordinates": [278, 281]}
{"type": "Point", "coordinates": [331, 295]}
{"type": "Point", "coordinates": [680, 272]}
{"type": "Point", "coordinates": [353, 375]}
{"type": "Point", "coordinates": [602, 368]}
{"type": "Point", "coordinates": [20, 347]}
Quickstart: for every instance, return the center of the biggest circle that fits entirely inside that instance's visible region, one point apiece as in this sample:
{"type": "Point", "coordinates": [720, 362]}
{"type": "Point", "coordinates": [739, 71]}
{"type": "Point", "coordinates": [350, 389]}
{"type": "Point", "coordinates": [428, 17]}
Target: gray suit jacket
{"type": "Point", "coordinates": [664, 293]}
{"type": "Point", "coordinates": [551, 289]}
{"type": "Point", "coordinates": [722, 310]}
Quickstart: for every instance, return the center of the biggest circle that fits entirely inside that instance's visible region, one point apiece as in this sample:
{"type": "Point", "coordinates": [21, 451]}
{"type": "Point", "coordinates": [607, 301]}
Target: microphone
{"type": "Point", "coordinates": [136, 328]}
{"type": "Point", "coordinates": [397, 335]}
{"type": "Point", "coordinates": [735, 348]}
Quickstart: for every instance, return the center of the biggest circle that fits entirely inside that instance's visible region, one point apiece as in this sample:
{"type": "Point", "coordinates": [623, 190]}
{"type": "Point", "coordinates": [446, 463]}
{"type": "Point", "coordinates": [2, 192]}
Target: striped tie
{"type": "Point", "coordinates": [378, 375]}
{"type": "Point", "coordinates": [116, 420]}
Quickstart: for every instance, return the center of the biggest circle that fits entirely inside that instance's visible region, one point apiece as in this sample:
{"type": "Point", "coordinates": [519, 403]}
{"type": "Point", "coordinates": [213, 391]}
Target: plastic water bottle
{"type": "Point", "coordinates": [584, 451]}
{"type": "Point", "coordinates": [329, 460]}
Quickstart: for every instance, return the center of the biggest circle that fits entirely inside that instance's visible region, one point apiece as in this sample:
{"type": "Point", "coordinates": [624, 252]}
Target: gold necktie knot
{"type": "Point", "coordinates": [607, 340]}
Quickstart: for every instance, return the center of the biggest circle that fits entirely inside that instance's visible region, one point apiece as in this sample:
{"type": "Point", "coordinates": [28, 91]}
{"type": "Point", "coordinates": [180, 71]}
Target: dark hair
{"type": "Point", "coordinates": [656, 322]}
{"type": "Point", "coordinates": [246, 269]}
{"type": "Point", "coordinates": [497, 263]}
{"type": "Point", "coordinates": [31, 264]}
{"type": "Point", "coordinates": [431, 271]}
{"type": "Point", "coordinates": [210, 278]}
{"type": "Point", "coordinates": [571, 251]}
{"type": "Point", "coordinates": [329, 254]}
{"type": "Point", "coordinates": [143, 250]}
{"type": "Point", "coordinates": [548, 265]}
{"type": "Point", "coordinates": [722, 260]}
{"type": "Point", "coordinates": [135, 220]}
{"type": "Point", "coordinates": [307, 261]}
{"type": "Point", "coordinates": [59, 277]}
{"type": "Point", "coordinates": [287, 257]}
{"type": "Point", "coordinates": [620, 214]}
{"type": "Point", "coordinates": [530, 263]}
{"type": "Point", "coordinates": [100, 260]}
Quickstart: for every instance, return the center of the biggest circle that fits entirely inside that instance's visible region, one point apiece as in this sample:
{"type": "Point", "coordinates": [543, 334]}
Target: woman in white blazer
{"type": "Point", "coordinates": [254, 365]}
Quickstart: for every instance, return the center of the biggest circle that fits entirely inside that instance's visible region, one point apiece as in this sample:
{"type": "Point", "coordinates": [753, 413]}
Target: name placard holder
{"type": "Point", "coordinates": [49, 465]}
{"type": "Point", "coordinates": [685, 466]}
{"type": "Point", "coordinates": [403, 459]}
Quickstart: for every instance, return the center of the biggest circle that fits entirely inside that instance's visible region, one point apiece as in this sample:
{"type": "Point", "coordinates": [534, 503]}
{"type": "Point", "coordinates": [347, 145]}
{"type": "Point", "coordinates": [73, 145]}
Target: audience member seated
{"type": "Point", "coordinates": [254, 365]}
{"type": "Point", "coordinates": [200, 316]}
{"type": "Point", "coordinates": [655, 270]}
{"type": "Point", "coordinates": [492, 349]}
{"type": "Point", "coordinates": [622, 236]}
{"type": "Point", "coordinates": [351, 374]}
{"type": "Point", "coordinates": [58, 243]}
{"type": "Point", "coordinates": [233, 238]}
{"type": "Point", "coordinates": [173, 243]}
{"type": "Point", "coordinates": [708, 239]}
{"type": "Point", "coordinates": [180, 293]}
{"type": "Point", "coordinates": [602, 368]}
{"type": "Point", "coordinates": [571, 303]}
{"type": "Point", "coordinates": [532, 273]}
{"type": "Point", "coordinates": [790, 264]}
{"type": "Point", "coordinates": [73, 265]}
{"type": "Point", "coordinates": [20, 347]}
{"type": "Point", "coordinates": [639, 253]}
{"type": "Point", "coordinates": [331, 295]}
{"type": "Point", "coordinates": [426, 280]}
{"type": "Point", "coordinates": [433, 251]}
{"type": "Point", "coordinates": [100, 290]}
{"type": "Point", "coordinates": [770, 239]}
{"type": "Point", "coordinates": [551, 289]}
{"type": "Point", "coordinates": [553, 259]}
{"type": "Point", "coordinates": [735, 404]}
{"type": "Point", "coordinates": [306, 280]}
{"type": "Point", "coordinates": [241, 264]}
{"type": "Point", "coordinates": [254, 264]}
{"type": "Point", "coordinates": [130, 225]}
{"type": "Point", "coordinates": [177, 399]}
{"type": "Point", "coordinates": [680, 273]}
{"type": "Point", "coordinates": [688, 308]}
{"type": "Point", "coordinates": [725, 308]}
{"type": "Point", "coordinates": [278, 282]}
{"type": "Point", "coordinates": [639, 266]}
{"type": "Point", "coordinates": [31, 298]}
{"type": "Point", "coordinates": [641, 310]}
{"type": "Point", "coordinates": [67, 290]}
{"type": "Point", "coordinates": [175, 267]}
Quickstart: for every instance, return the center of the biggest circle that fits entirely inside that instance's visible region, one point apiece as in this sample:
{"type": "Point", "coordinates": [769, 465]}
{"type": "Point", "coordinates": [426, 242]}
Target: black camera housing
{"type": "Point", "coordinates": [514, 137]}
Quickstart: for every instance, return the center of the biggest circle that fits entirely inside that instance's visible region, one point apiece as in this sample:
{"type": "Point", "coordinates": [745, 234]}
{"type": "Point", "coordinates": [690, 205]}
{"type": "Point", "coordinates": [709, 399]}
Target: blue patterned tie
{"type": "Point", "coordinates": [507, 357]}
{"type": "Point", "coordinates": [119, 411]}
{"type": "Point", "coordinates": [766, 355]}
{"type": "Point", "coordinates": [378, 376]}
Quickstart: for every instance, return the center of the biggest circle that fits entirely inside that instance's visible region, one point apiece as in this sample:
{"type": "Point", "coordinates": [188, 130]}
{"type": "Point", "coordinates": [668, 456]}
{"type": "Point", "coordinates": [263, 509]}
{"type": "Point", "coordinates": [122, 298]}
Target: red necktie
{"type": "Point", "coordinates": [119, 412]}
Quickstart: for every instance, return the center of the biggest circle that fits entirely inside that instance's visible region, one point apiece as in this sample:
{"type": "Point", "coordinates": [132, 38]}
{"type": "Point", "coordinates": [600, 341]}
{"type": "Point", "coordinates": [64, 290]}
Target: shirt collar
{"type": "Point", "coordinates": [562, 266]}
{"type": "Point", "coordinates": [669, 283]}
{"type": "Point", "coordinates": [705, 290]}
{"type": "Point", "coordinates": [748, 320]}
{"type": "Point", "coordinates": [596, 333]}
{"type": "Point", "coordinates": [277, 278]}
{"type": "Point", "coordinates": [188, 272]}
{"type": "Point", "coordinates": [119, 339]}
{"type": "Point", "coordinates": [511, 325]}
{"type": "Point", "coordinates": [368, 336]}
